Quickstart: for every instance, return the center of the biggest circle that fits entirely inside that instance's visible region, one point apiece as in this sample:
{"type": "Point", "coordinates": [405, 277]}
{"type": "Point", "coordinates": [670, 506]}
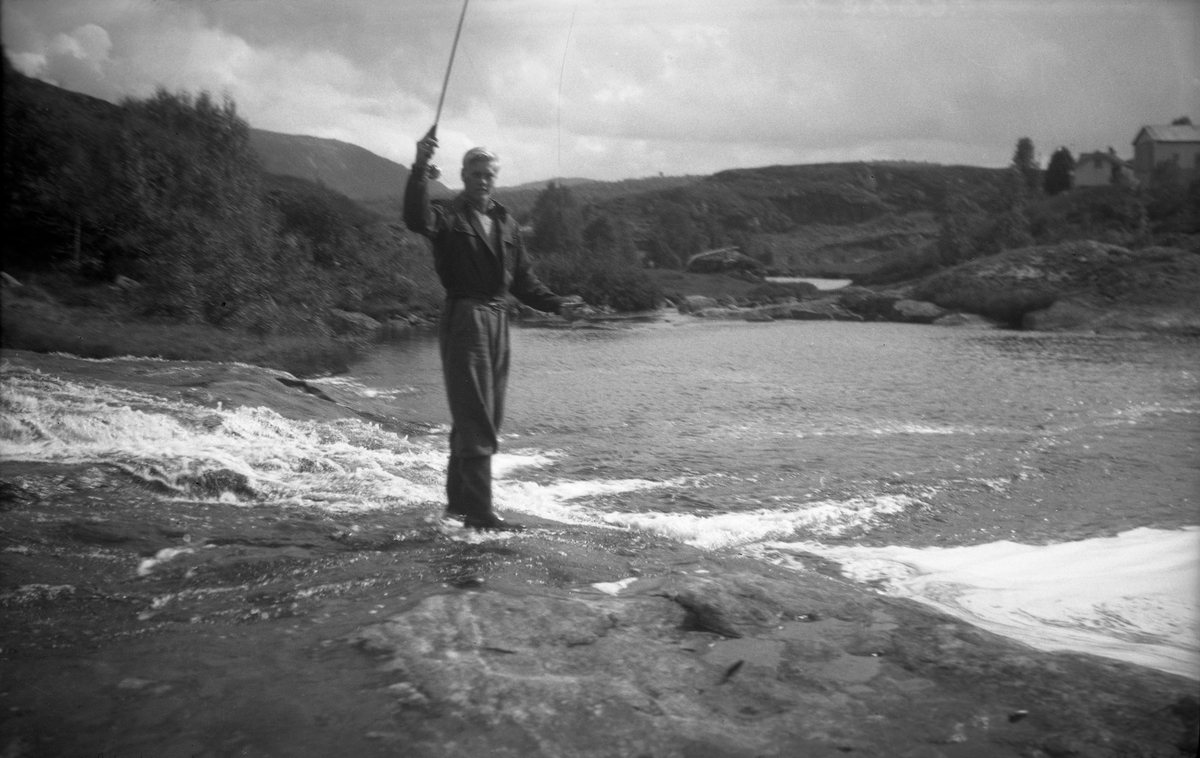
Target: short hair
{"type": "Point", "coordinates": [479, 154]}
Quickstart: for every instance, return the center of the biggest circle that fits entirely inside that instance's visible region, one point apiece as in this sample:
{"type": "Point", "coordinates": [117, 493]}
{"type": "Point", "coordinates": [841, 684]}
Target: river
{"type": "Point", "coordinates": [1043, 486]}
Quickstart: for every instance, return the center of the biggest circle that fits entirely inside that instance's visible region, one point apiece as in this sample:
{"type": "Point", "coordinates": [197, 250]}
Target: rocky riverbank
{"type": "Point", "coordinates": [1072, 286]}
{"type": "Point", "coordinates": [191, 617]}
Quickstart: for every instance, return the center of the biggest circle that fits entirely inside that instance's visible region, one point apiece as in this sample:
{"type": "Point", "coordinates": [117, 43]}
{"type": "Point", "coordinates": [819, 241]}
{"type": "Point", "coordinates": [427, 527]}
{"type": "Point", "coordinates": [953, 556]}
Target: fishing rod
{"type": "Point", "coordinates": [434, 171]}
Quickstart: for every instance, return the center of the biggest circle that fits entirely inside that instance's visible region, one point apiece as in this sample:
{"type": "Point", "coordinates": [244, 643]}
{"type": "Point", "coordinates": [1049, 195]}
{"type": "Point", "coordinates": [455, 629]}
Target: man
{"type": "Point", "coordinates": [480, 259]}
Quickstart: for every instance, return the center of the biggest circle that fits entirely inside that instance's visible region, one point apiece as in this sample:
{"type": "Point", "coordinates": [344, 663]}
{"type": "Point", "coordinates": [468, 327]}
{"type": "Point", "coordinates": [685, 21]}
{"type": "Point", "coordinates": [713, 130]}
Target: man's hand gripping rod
{"type": "Point", "coordinates": [430, 139]}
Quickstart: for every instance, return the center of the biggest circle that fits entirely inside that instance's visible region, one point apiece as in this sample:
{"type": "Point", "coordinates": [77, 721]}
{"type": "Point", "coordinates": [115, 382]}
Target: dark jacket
{"type": "Point", "coordinates": [467, 262]}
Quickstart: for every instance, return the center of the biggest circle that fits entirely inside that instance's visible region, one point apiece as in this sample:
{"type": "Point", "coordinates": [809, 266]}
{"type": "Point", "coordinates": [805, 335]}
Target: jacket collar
{"type": "Point", "coordinates": [497, 211]}
{"type": "Point", "coordinates": [494, 208]}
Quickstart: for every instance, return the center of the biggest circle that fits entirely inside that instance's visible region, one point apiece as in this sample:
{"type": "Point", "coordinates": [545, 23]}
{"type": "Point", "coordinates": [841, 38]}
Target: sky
{"type": "Point", "coordinates": [619, 89]}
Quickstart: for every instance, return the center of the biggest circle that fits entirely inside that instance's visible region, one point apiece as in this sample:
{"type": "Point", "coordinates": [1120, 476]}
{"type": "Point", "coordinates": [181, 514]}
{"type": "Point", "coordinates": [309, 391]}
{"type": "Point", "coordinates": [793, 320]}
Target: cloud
{"type": "Point", "coordinates": [620, 88]}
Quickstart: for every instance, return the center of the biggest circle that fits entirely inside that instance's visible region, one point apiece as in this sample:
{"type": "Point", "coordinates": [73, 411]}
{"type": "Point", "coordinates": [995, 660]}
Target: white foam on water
{"type": "Point", "coordinates": [1133, 597]}
{"type": "Point", "coordinates": [821, 518]}
{"type": "Point", "coordinates": [354, 387]}
{"type": "Point", "coordinates": [559, 500]}
{"type": "Point", "coordinates": [162, 556]}
{"type": "Point", "coordinates": [345, 465]}
{"type": "Point", "coordinates": [341, 465]}
{"type": "Point", "coordinates": [504, 465]}
{"type": "Point", "coordinates": [614, 588]}
{"type": "Point", "coordinates": [887, 428]}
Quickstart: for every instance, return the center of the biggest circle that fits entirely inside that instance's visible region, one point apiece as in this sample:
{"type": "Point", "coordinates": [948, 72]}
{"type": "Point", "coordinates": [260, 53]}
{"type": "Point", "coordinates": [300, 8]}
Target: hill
{"type": "Point", "coordinates": [157, 213]}
{"type": "Point", "coordinates": [520, 198]}
{"type": "Point", "coordinates": [836, 219]}
{"type": "Point", "coordinates": [371, 180]}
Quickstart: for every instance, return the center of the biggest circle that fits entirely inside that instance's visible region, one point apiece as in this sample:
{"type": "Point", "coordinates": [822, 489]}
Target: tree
{"type": "Point", "coordinates": [958, 218]}
{"type": "Point", "coordinates": [1012, 227]}
{"type": "Point", "coordinates": [609, 240]}
{"type": "Point", "coordinates": [1059, 172]}
{"type": "Point", "coordinates": [678, 233]}
{"type": "Point", "coordinates": [1025, 161]}
{"type": "Point", "coordinates": [557, 222]}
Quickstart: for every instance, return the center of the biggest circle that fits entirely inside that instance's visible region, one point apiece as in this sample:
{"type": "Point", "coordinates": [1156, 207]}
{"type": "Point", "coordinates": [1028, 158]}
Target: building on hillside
{"type": "Point", "coordinates": [1175, 143]}
{"type": "Point", "coordinates": [1101, 168]}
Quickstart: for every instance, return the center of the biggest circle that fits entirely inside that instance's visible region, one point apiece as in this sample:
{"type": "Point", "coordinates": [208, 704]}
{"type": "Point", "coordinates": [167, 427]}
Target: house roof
{"type": "Point", "coordinates": [1169, 133]}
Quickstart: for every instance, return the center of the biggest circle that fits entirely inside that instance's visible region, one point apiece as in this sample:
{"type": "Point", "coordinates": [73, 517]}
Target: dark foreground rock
{"type": "Point", "coordinates": [140, 624]}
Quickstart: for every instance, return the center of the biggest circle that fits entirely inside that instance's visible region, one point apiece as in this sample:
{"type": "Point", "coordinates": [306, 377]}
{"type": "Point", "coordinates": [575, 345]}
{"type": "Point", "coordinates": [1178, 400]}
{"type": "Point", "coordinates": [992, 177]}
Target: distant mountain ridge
{"type": "Point", "coordinates": [354, 171]}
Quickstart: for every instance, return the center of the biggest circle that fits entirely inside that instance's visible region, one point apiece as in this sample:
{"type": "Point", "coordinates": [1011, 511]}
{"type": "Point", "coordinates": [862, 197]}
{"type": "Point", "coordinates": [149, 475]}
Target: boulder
{"type": "Point", "coordinates": [1156, 288]}
{"type": "Point", "coordinates": [1078, 314]}
{"type": "Point", "coordinates": [693, 303]}
{"type": "Point", "coordinates": [813, 310]}
{"type": "Point", "coordinates": [966, 321]}
{"type": "Point", "coordinates": [717, 313]}
{"type": "Point", "coordinates": [397, 327]}
{"type": "Point", "coordinates": [354, 325]}
{"type": "Point", "coordinates": [869, 304]}
{"type": "Point", "coordinates": [1067, 315]}
{"type": "Point", "coordinates": [876, 306]}
{"type": "Point", "coordinates": [757, 314]}
{"type": "Point", "coordinates": [917, 311]}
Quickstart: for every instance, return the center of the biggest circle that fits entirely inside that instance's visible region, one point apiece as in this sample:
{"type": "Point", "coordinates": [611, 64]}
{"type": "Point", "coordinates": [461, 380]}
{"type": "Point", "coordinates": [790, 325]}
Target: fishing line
{"type": "Point", "coordinates": [561, 69]}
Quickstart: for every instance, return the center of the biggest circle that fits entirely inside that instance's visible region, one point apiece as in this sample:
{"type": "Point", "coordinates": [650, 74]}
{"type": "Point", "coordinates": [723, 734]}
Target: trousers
{"type": "Point", "coordinates": [474, 346]}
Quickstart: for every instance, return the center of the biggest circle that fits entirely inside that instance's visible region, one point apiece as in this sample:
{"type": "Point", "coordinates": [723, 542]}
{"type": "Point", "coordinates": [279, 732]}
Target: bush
{"type": "Point", "coordinates": [1107, 213]}
{"type": "Point", "coordinates": [622, 288]}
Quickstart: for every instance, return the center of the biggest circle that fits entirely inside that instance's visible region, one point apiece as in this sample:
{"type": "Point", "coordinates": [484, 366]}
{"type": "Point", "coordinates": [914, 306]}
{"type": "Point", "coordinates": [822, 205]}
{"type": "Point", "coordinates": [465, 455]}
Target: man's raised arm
{"type": "Point", "coordinates": [418, 215]}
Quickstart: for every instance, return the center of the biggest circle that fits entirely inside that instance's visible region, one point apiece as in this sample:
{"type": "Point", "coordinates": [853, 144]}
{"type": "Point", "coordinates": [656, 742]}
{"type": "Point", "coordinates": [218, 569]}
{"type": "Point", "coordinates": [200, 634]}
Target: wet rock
{"type": "Point", "coordinates": [640, 674]}
{"type": "Point", "coordinates": [812, 310]}
{"type": "Point", "coordinates": [918, 312]}
{"type": "Point", "coordinates": [757, 315]}
{"type": "Point", "coordinates": [693, 303]}
{"type": "Point", "coordinates": [1102, 287]}
{"type": "Point", "coordinates": [111, 533]}
{"type": "Point", "coordinates": [871, 305]}
{"type": "Point", "coordinates": [217, 483]}
{"type": "Point", "coordinates": [731, 607]}
{"type": "Point", "coordinates": [966, 321]}
{"type": "Point", "coordinates": [719, 313]}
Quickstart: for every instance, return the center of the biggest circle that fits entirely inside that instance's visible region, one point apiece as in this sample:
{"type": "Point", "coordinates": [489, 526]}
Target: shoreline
{"type": "Point", "coordinates": [199, 622]}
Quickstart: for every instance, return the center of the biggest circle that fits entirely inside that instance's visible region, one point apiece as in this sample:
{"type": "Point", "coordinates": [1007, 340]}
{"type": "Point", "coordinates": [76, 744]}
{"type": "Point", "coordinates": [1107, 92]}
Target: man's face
{"type": "Point", "coordinates": [479, 178]}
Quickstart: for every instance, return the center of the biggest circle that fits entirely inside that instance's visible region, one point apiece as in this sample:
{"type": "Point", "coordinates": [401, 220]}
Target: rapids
{"type": "Point", "coordinates": [1042, 486]}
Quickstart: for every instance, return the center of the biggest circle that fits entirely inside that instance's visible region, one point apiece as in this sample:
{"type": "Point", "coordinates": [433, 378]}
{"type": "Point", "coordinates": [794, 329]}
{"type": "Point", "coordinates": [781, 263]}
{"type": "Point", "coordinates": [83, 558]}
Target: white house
{"type": "Point", "coordinates": [1098, 169]}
